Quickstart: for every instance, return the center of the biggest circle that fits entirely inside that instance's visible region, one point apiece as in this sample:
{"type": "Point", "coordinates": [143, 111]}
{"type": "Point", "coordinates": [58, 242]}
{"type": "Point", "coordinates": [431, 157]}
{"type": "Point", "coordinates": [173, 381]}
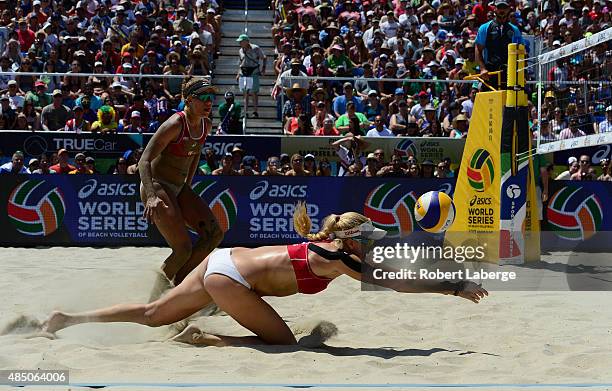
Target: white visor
{"type": "Point", "coordinates": [365, 230]}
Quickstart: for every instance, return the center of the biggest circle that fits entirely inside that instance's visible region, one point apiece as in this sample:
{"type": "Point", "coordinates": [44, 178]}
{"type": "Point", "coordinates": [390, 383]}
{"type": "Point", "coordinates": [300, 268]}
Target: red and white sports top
{"type": "Point", "coordinates": [184, 145]}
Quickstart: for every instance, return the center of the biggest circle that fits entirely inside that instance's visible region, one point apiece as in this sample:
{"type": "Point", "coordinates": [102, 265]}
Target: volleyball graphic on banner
{"type": "Point", "coordinates": [574, 213]}
{"type": "Point", "coordinates": [434, 211]}
{"type": "Point", "coordinates": [405, 148]}
{"type": "Point", "coordinates": [481, 170]}
{"type": "Point", "coordinates": [223, 204]}
{"type": "Point", "coordinates": [36, 208]}
{"type": "Point", "coordinates": [390, 208]}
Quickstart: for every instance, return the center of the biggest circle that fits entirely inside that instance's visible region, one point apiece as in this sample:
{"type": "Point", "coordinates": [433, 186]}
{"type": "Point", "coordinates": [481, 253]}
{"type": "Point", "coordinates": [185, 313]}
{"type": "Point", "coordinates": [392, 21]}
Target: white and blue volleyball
{"type": "Point", "coordinates": [434, 211]}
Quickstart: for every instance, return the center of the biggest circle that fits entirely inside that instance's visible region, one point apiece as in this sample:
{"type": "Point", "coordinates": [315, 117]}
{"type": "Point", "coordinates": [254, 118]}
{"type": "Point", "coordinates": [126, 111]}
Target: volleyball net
{"type": "Point", "coordinates": [574, 94]}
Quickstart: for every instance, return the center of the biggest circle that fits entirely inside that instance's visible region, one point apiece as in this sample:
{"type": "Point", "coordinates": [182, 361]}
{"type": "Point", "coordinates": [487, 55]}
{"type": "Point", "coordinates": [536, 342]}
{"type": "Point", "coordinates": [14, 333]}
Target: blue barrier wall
{"type": "Point", "coordinates": [106, 210]}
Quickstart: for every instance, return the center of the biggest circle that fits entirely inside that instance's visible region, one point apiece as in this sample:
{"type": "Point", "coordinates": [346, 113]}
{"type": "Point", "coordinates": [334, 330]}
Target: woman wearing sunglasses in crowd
{"type": "Point", "coordinates": [235, 279]}
{"type": "Point", "coordinates": [167, 167]}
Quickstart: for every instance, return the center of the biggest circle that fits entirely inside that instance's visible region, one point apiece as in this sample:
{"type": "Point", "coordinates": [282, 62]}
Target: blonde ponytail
{"type": "Point", "coordinates": [333, 222]}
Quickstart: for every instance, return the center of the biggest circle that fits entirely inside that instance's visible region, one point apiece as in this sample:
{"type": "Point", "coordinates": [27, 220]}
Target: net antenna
{"type": "Point", "coordinates": [574, 90]}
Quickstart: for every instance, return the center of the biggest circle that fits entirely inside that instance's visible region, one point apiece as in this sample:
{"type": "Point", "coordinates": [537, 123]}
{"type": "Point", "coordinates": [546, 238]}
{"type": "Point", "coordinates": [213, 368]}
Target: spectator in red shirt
{"type": "Point", "coordinates": [328, 129]}
{"type": "Point", "coordinates": [25, 35]}
{"type": "Point", "coordinates": [139, 106]}
{"type": "Point", "coordinates": [62, 167]}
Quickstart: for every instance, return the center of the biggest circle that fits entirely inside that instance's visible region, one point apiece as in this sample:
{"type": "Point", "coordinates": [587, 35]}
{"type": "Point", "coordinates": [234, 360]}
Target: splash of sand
{"type": "Point", "coordinates": [316, 331]}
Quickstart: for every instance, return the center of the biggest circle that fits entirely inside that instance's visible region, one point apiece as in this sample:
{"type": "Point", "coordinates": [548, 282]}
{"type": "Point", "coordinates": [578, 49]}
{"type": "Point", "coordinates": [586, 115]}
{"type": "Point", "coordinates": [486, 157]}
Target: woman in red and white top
{"type": "Point", "coordinates": [235, 279]}
{"type": "Point", "coordinates": [167, 167]}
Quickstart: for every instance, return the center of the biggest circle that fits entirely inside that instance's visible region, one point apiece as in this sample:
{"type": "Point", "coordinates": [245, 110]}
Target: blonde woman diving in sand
{"type": "Point", "coordinates": [236, 279]}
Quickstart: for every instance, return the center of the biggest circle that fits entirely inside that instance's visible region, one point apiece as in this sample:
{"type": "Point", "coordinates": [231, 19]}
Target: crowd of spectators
{"type": "Point", "coordinates": [123, 37]}
{"type": "Point", "coordinates": [352, 161]}
{"type": "Point", "coordinates": [395, 62]}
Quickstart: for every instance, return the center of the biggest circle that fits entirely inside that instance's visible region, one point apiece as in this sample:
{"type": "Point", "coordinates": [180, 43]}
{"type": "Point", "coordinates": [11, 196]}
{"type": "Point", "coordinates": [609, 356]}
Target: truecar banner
{"type": "Point", "coordinates": [106, 210]}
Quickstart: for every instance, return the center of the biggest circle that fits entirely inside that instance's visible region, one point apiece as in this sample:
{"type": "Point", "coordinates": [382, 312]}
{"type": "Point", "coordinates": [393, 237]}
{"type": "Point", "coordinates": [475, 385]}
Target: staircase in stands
{"type": "Point", "coordinates": [259, 26]}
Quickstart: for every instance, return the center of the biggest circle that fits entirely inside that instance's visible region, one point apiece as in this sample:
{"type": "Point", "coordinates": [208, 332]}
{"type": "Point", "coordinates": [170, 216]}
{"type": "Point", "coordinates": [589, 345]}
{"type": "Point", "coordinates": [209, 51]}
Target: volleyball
{"type": "Point", "coordinates": [434, 211]}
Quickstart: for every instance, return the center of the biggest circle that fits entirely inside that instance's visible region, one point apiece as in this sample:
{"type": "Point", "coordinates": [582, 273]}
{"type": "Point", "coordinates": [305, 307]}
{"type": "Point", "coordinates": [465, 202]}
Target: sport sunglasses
{"type": "Point", "coordinates": [206, 97]}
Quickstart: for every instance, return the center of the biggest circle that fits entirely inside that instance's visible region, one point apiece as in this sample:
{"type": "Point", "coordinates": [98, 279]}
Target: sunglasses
{"type": "Point", "coordinates": [297, 161]}
{"type": "Point", "coordinates": [584, 161]}
{"type": "Point", "coordinates": [206, 97]}
{"type": "Point", "coordinates": [366, 243]}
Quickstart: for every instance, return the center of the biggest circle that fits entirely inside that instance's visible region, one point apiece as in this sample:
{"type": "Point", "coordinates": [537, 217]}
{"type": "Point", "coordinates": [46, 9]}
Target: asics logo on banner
{"type": "Point", "coordinates": [446, 188]}
{"type": "Point", "coordinates": [88, 188]}
{"type": "Point", "coordinates": [106, 189]}
{"type": "Point", "coordinates": [480, 201]}
{"type": "Point", "coordinates": [602, 153]}
{"type": "Point", "coordinates": [277, 191]}
{"type": "Point", "coordinates": [513, 191]}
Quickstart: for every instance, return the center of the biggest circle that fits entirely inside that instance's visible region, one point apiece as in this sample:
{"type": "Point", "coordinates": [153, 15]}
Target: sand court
{"type": "Point", "coordinates": [369, 337]}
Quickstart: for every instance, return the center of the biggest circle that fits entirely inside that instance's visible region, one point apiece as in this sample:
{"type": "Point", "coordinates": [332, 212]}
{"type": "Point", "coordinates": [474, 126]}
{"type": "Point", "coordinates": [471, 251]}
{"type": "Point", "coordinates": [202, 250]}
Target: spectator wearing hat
{"type": "Point", "coordinates": [379, 129]}
{"type": "Point", "coordinates": [460, 127]}
{"type": "Point", "coordinates": [81, 165]}
{"type": "Point", "coordinates": [544, 133]}
{"type": "Point", "coordinates": [372, 166]}
{"type": "Point", "coordinates": [252, 65]}
{"type": "Point", "coordinates": [135, 123]}
{"type": "Point", "coordinates": [16, 100]}
{"type": "Point", "coordinates": [88, 91]}
{"type": "Point", "coordinates": [492, 42]}
{"type": "Point", "coordinates": [138, 105]}
{"type": "Point", "coordinates": [55, 115]}
{"type": "Point", "coordinates": [42, 167]}
{"type": "Point", "coordinates": [77, 124]}
{"type": "Point", "coordinates": [417, 111]}
{"type": "Point", "coordinates": [62, 166]}
{"type": "Point", "coordinates": [15, 166]}
{"type": "Point", "coordinates": [9, 115]}
{"type": "Point", "coordinates": [605, 126]}
{"type": "Point", "coordinates": [320, 115]}
{"type": "Point", "coordinates": [296, 96]}
{"type": "Point", "coordinates": [249, 166]}
{"type": "Point", "coordinates": [227, 166]}
{"type": "Point", "coordinates": [571, 131]}
{"type": "Point", "coordinates": [338, 58]}
{"type": "Point", "coordinates": [352, 121]}
{"type": "Point", "coordinates": [106, 121]}
{"type": "Point", "coordinates": [572, 167]}
{"type": "Point", "coordinates": [25, 35]}
{"type": "Point", "coordinates": [230, 114]}
{"type": "Point", "coordinates": [39, 97]}
{"type": "Point", "coordinates": [373, 106]}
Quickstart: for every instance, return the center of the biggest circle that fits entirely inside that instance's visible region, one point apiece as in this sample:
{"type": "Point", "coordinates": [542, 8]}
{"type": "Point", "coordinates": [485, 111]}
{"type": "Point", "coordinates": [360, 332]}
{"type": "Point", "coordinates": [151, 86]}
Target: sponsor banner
{"type": "Point", "coordinates": [106, 210]}
{"type": "Point", "coordinates": [423, 148]}
{"type": "Point", "coordinates": [99, 145]}
{"type": "Point", "coordinates": [74, 210]}
{"type": "Point", "coordinates": [262, 147]}
{"type": "Point", "coordinates": [596, 153]}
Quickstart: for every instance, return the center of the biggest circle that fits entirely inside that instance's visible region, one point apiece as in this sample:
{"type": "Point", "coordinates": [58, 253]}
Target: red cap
{"type": "Point", "coordinates": [423, 93]}
{"type": "Point", "coordinates": [127, 54]}
{"type": "Point", "coordinates": [40, 83]}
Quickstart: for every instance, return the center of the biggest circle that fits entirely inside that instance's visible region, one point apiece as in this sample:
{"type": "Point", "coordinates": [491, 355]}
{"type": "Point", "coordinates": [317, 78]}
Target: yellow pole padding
{"type": "Point", "coordinates": [521, 65]}
{"type": "Point", "coordinates": [512, 79]}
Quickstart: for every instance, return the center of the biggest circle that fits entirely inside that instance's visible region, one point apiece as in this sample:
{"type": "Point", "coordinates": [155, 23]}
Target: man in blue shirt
{"type": "Point", "coordinates": [492, 42]}
{"type": "Point", "coordinates": [339, 103]}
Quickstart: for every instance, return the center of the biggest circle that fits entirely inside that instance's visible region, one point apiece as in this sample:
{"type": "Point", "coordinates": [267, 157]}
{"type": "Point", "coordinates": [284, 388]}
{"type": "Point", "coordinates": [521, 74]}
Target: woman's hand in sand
{"type": "Point", "coordinates": [153, 206]}
{"type": "Point", "coordinates": [472, 291]}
